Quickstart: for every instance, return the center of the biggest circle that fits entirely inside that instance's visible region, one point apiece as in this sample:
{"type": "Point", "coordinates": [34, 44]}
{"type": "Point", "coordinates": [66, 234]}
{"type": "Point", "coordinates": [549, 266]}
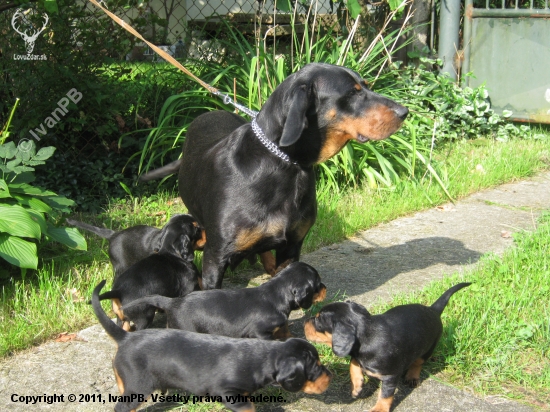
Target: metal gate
{"type": "Point", "coordinates": [508, 49]}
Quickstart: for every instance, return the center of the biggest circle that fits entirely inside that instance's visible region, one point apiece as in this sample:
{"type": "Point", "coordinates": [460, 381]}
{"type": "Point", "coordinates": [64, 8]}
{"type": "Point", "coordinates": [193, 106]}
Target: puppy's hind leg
{"type": "Point", "coordinates": [238, 403]}
{"type": "Point", "coordinates": [385, 397]}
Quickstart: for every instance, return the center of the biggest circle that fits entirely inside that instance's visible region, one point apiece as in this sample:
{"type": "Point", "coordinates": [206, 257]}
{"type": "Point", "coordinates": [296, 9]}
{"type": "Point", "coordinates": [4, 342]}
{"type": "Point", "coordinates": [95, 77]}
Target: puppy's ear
{"type": "Point", "coordinates": [291, 375]}
{"type": "Point", "coordinates": [184, 247]}
{"type": "Point", "coordinates": [296, 120]}
{"type": "Point", "coordinates": [343, 338]}
{"type": "Point", "coordinates": [303, 296]}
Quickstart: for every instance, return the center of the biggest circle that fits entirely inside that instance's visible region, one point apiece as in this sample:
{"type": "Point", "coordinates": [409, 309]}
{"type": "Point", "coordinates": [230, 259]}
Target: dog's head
{"type": "Point", "coordinates": [180, 236]}
{"type": "Point", "coordinates": [299, 368]}
{"type": "Point", "coordinates": [317, 110]}
{"type": "Point", "coordinates": [304, 283]}
{"type": "Point", "coordinates": [337, 324]}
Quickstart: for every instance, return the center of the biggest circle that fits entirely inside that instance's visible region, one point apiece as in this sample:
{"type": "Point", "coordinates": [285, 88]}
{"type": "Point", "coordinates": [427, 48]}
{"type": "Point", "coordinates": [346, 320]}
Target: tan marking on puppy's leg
{"type": "Point", "coordinates": [119, 382]}
{"type": "Point", "coordinates": [126, 326]}
{"type": "Point", "coordinates": [357, 379]}
{"type": "Point", "coordinates": [281, 332]}
{"type": "Point", "coordinates": [117, 308]}
{"type": "Point", "coordinates": [199, 244]}
{"type": "Point", "coordinates": [317, 386]}
{"type": "Point", "coordinates": [382, 404]}
{"type": "Point", "coordinates": [314, 336]}
{"type": "Point", "coordinates": [268, 261]}
{"type": "Point", "coordinates": [413, 374]}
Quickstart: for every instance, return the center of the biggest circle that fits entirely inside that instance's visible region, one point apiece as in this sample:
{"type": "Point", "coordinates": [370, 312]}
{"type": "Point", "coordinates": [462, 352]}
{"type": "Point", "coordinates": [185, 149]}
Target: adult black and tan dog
{"type": "Point", "coordinates": [383, 346]}
{"type": "Point", "coordinates": [261, 312]}
{"type": "Point", "coordinates": [129, 246]}
{"type": "Point", "coordinates": [252, 186]}
{"type": "Point", "coordinates": [207, 364]}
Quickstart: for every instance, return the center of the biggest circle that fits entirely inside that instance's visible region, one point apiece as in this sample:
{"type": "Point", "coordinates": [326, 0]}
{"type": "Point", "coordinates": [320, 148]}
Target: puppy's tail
{"type": "Point", "coordinates": [440, 303]}
{"type": "Point", "coordinates": [100, 231]}
{"type": "Point", "coordinates": [158, 301]}
{"type": "Point", "coordinates": [170, 168]}
{"type": "Point", "coordinates": [110, 327]}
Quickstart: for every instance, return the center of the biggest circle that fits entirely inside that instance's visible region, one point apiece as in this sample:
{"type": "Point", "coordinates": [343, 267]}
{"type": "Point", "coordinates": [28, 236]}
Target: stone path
{"type": "Point", "coordinates": [402, 255]}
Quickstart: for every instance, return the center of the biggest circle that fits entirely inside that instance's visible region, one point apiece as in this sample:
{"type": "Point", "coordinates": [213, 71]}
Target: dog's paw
{"type": "Point", "coordinates": [355, 392]}
{"type": "Point", "coordinates": [412, 383]}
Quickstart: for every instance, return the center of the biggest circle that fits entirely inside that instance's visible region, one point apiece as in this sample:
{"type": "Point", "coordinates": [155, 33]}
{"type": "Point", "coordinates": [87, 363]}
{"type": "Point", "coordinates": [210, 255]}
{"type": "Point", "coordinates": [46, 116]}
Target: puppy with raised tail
{"type": "Point", "coordinates": [382, 346]}
{"type": "Point", "coordinates": [207, 364]}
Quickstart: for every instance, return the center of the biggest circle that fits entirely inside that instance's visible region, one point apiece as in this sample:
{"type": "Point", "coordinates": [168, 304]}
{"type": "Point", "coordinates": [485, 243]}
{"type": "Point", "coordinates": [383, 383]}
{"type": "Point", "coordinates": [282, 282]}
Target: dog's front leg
{"type": "Point", "coordinates": [288, 253]}
{"type": "Point", "coordinates": [213, 267]}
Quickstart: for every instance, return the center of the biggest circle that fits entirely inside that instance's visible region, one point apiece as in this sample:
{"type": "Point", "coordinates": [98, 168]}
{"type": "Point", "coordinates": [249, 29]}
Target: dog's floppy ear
{"type": "Point", "coordinates": [343, 338]}
{"type": "Point", "coordinates": [291, 375]}
{"type": "Point", "coordinates": [183, 246]}
{"type": "Point", "coordinates": [303, 295]}
{"type": "Point", "coordinates": [296, 120]}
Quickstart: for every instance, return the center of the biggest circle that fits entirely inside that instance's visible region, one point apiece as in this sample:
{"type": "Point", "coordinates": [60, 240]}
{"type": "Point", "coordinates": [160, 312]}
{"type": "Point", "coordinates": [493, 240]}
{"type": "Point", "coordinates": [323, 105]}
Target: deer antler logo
{"type": "Point", "coordinates": [22, 24]}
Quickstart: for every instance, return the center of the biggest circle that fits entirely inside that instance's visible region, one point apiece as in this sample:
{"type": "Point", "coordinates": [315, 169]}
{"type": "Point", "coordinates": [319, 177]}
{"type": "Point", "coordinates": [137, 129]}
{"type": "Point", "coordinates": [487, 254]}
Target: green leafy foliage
{"type": "Point", "coordinates": [26, 211]}
{"type": "Point", "coordinates": [445, 111]}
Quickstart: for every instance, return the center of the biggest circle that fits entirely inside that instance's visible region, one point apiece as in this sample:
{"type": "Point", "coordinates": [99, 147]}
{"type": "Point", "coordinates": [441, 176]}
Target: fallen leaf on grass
{"type": "Point", "coordinates": [67, 337]}
{"type": "Point", "coordinates": [74, 293]}
{"type": "Point", "coordinates": [505, 234]}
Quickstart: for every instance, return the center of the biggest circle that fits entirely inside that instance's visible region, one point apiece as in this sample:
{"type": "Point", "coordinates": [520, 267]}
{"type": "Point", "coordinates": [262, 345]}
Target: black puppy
{"type": "Point", "coordinates": [254, 190]}
{"type": "Point", "coordinates": [383, 346]}
{"type": "Point", "coordinates": [170, 272]}
{"type": "Point", "coordinates": [131, 245]}
{"type": "Point", "coordinates": [208, 364]}
{"type": "Point", "coordinates": [260, 312]}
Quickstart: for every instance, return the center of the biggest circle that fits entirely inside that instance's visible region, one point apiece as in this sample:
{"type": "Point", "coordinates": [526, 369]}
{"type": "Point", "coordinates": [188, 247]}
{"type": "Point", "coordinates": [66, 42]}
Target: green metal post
{"type": "Point", "coordinates": [449, 25]}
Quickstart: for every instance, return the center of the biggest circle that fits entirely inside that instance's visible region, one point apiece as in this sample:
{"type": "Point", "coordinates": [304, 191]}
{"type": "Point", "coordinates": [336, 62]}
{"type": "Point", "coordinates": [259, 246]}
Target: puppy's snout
{"type": "Point", "coordinates": [401, 111]}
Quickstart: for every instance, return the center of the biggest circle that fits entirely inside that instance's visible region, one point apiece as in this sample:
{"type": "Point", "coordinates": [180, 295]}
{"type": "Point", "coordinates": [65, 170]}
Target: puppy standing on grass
{"type": "Point", "coordinates": [383, 346]}
{"type": "Point", "coordinates": [261, 312]}
{"type": "Point", "coordinates": [220, 366]}
{"type": "Point", "coordinates": [131, 245]}
{"type": "Point", "coordinates": [170, 272]}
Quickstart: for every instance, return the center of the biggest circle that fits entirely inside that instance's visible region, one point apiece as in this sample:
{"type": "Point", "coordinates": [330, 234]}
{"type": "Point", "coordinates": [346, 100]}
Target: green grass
{"type": "Point", "coordinates": [496, 337]}
{"type": "Point", "coordinates": [42, 306]}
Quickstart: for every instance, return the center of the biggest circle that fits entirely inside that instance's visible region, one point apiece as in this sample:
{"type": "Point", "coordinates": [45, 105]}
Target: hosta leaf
{"type": "Point", "coordinates": [69, 236]}
{"type": "Point", "coordinates": [16, 221]}
{"type": "Point", "coordinates": [18, 252]}
{"type": "Point", "coordinates": [33, 203]}
{"type": "Point", "coordinates": [30, 190]}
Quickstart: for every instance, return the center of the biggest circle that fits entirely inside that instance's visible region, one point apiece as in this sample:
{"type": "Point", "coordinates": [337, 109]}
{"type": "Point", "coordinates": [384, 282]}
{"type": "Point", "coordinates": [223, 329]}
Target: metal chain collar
{"type": "Point", "coordinates": [272, 147]}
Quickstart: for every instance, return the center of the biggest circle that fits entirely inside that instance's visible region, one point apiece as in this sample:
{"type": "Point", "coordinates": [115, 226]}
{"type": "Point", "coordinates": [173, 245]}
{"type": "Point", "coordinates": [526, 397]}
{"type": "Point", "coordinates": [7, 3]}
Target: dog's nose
{"type": "Point", "coordinates": [401, 112]}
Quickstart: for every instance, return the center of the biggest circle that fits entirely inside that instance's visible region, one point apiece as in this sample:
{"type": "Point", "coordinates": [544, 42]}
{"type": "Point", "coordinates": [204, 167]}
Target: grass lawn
{"type": "Point", "coordinates": [53, 299]}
